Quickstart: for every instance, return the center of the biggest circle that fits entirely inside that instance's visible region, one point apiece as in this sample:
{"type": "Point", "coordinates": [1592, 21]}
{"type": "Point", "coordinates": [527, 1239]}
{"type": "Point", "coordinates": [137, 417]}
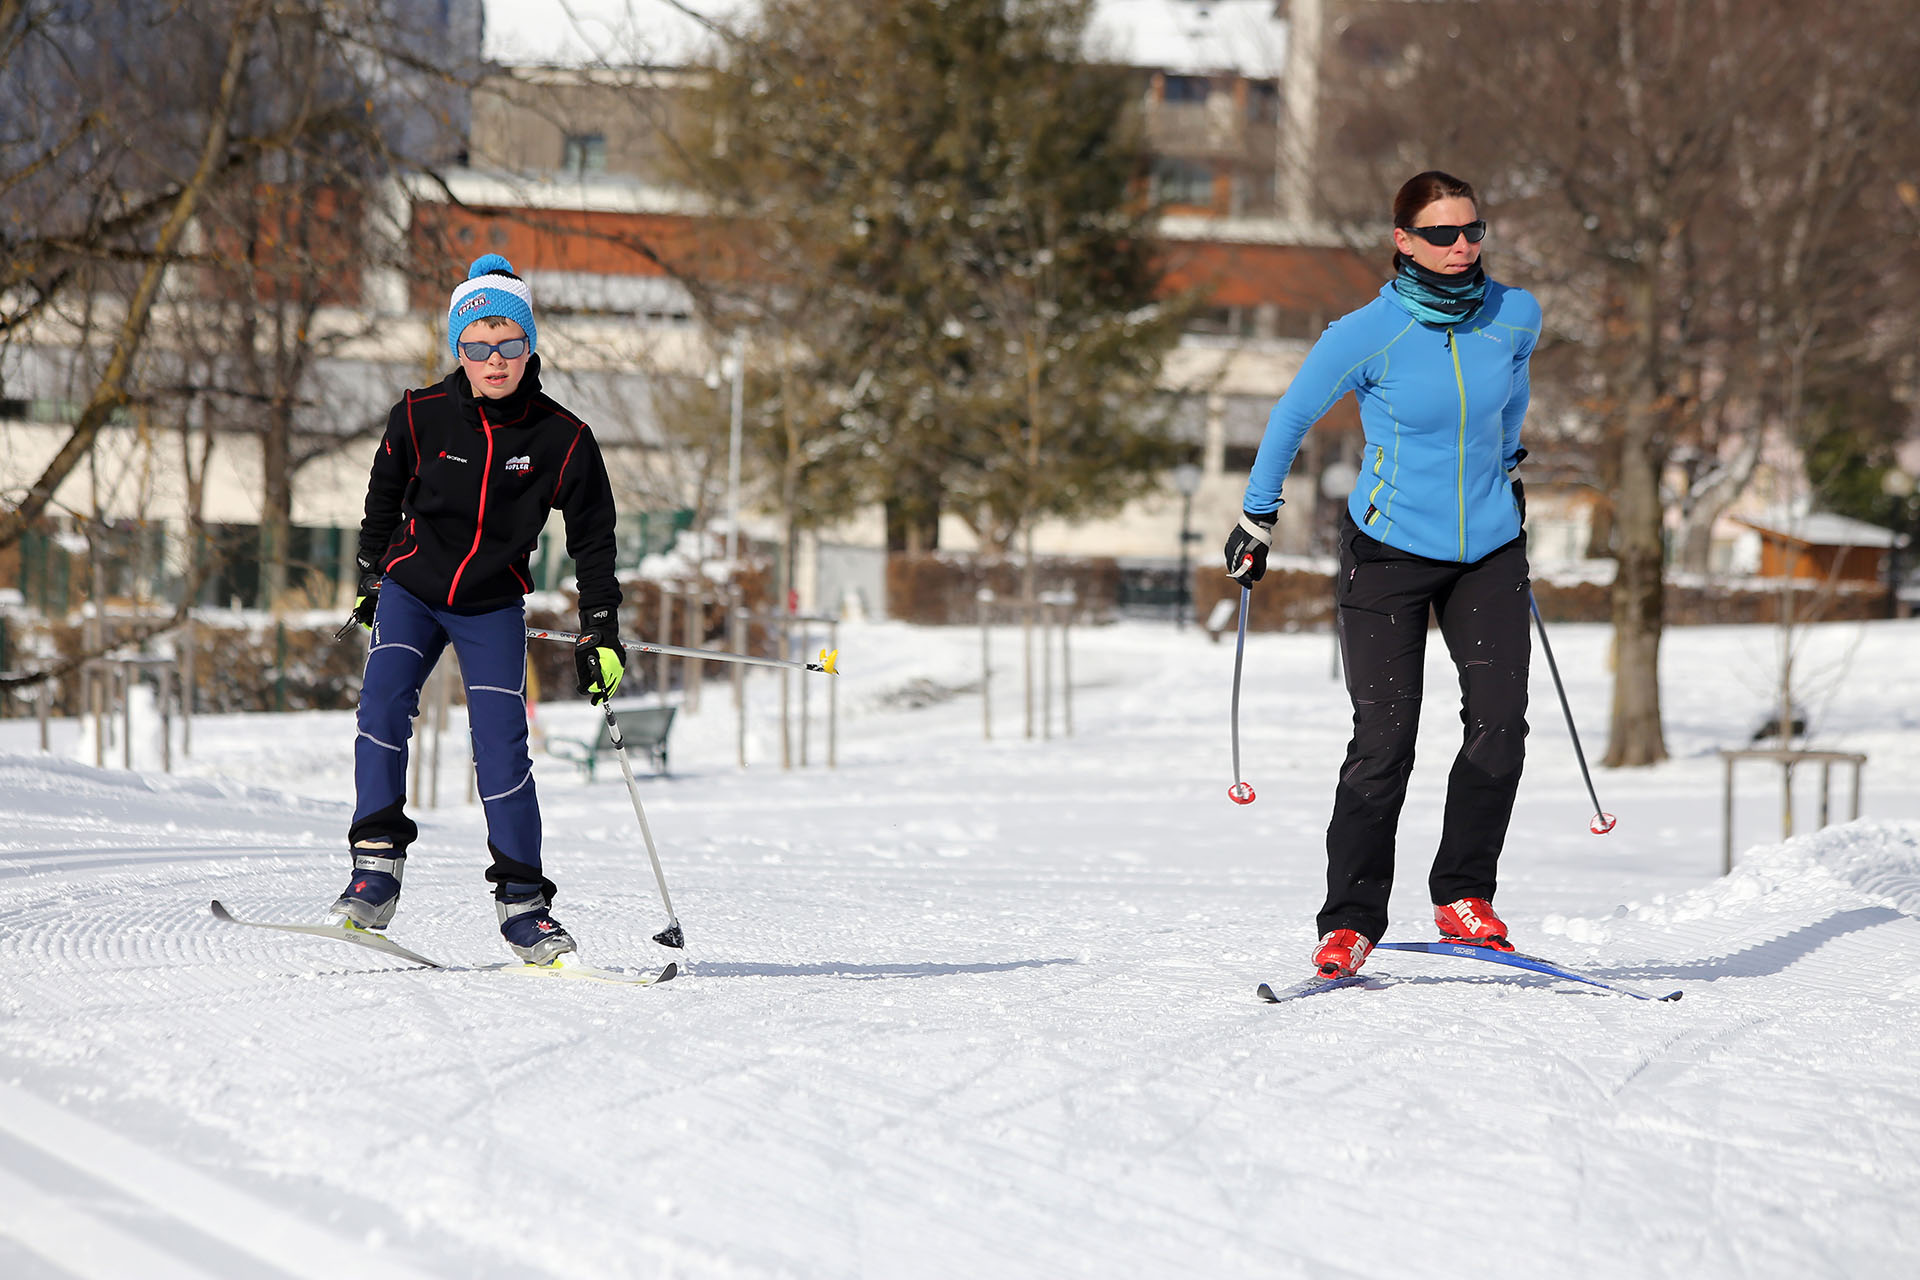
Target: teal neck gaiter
{"type": "Point", "coordinates": [1432, 297]}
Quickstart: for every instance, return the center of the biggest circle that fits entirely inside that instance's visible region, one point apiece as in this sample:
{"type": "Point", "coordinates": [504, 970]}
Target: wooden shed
{"type": "Point", "coordinates": [1822, 547]}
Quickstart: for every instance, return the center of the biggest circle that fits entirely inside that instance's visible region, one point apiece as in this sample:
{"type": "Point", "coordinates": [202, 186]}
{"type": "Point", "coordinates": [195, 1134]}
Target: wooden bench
{"type": "Point", "coordinates": [643, 729]}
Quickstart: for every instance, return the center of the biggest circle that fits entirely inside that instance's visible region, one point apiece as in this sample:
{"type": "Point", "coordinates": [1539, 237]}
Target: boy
{"type": "Point", "coordinates": [461, 486]}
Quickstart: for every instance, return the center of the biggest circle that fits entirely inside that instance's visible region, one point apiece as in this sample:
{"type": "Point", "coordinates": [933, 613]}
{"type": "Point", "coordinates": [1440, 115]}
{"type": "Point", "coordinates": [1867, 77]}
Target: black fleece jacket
{"type": "Point", "coordinates": [461, 487]}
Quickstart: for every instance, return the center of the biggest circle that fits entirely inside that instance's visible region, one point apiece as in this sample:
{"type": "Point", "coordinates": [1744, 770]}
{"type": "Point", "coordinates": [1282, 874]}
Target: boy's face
{"type": "Point", "coordinates": [494, 376]}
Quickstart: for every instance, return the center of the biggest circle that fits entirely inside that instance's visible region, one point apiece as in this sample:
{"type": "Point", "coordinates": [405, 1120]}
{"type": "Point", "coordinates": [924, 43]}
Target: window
{"type": "Point", "coordinates": [1185, 89]}
{"type": "Point", "coordinates": [1183, 182]}
{"type": "Point", "coordinates": [1215, 320]}
{"type": "Point", "coordinates": [1263, 101]}
{"type": "Point", "coordinates": [53, 411]}
{"type": "Point", "coordinates": [1253, 192]}
{"type": "Point", "coordinates": [585, 153]}
{"type": "Point", "coordinates": [1289, 323]}
{"type": "Point", "coordinates": [1237, 459]}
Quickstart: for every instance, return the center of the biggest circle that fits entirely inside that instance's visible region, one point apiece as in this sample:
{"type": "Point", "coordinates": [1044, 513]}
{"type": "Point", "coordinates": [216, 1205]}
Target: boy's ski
{"type": "Point", "coordinates": [385, 945]}
{"type": "Point", "coordinates": [358, 937]}
{"type": "Point", "coordinates": [589, 973]}
{"type": "Point", "coordinates": [1314, 986]}
{"type": "Point", "coordinates": [1476, 951]}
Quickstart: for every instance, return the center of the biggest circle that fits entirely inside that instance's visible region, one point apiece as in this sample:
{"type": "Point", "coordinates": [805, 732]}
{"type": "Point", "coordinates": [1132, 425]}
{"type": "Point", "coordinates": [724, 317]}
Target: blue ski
{"type": "Point", "coordinates": [1473, 951]}
{"type": "Point", "coordinates": [1314, 986]}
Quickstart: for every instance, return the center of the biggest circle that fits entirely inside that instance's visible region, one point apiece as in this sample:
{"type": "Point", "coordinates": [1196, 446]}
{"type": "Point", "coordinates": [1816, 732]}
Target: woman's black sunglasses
{"type": "Point", "coordinates": [511, 349]}
{"type": "Point", "coordinates": [1443, 237]}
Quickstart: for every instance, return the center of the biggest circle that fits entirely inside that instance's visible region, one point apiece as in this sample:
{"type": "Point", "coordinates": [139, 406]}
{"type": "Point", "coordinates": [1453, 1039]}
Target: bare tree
{"type": "Point", "coordinates": [1705, 191]}
{"type": "Point", "coordinates": [113, 388]}
{"type": "Point", "coordinates": [229, 179]}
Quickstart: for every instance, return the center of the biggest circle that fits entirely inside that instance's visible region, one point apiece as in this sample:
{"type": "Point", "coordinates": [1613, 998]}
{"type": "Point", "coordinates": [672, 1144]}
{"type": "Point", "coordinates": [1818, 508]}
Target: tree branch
{"type": "Point", "coordinates": [111, 392]}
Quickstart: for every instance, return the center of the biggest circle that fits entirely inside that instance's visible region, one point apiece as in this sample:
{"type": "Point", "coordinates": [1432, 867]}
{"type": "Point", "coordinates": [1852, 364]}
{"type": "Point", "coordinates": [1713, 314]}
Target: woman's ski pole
{"type": "Point", "coordinates": [1603, 822]}
{"type": "Point", "coordinates": [1239, 792]}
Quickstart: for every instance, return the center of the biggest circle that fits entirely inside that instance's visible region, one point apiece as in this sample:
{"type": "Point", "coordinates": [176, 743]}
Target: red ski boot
{"type": "Point", "coordinates": [1471, 920]}
{"type": "Point", "coordinates": [1340, 953]}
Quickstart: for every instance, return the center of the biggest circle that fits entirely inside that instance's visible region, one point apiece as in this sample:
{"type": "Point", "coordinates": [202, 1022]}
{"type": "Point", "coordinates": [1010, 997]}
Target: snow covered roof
{"type": "Point", "coordinates": [1191, 37]}
{"type": "Point", "coordinates": [579, 33]}
{"type": "Point", "coordinates": [1822, 529]}
{"type": "Point", "coordinates": [1185, 36]}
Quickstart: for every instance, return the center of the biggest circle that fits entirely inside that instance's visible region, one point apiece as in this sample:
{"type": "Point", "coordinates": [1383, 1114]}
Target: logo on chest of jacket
{"type": "Point", "coordinates": [451, 457]}
{"type": "Point", "coordinates": [522, 463]}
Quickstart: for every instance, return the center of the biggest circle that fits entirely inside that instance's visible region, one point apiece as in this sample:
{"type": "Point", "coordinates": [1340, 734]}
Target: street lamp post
{"type": "Point", "coordinates": [1186, 479]}
{"type": "Point", "coordinates": [1899, 487]}
{"type": "Point", "coordinates": [736, 357]}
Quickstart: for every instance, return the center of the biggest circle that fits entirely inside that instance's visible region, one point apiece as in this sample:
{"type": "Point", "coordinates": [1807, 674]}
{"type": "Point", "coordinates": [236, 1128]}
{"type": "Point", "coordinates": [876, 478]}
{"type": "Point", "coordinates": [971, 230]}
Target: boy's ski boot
{"type": "Point", "coordinates": [1341, 953]}
{"type": "Point", "coordinates": [370, 898]}
{"type": "Point", "coordinates": [1471, 920]}
{"type": "Point", "coordinates": [529, 928]}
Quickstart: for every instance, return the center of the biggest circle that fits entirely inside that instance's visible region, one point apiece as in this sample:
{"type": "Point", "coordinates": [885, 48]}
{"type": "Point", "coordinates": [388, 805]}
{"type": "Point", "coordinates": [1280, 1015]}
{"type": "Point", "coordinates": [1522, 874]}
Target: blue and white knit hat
{"type": "Point", "coordinates": [481, 295]}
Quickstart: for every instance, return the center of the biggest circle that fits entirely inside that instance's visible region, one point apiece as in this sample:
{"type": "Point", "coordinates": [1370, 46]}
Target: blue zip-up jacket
{"type": "Point", "coordinates": [1441, 407]}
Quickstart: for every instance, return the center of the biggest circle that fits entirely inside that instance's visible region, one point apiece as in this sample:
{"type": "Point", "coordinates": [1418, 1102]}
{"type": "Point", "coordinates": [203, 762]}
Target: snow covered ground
{"type": "Point", "coordinates": [962, 1008]}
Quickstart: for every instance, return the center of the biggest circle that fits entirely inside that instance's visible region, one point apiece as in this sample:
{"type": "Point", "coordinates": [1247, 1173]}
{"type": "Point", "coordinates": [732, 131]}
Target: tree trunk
{"type": "Point", "coordinates": [1639, 593]}
{"type": "Point", "coordinates": [276, 507]}
{"type": "Point", "coordinates": [913, 523]}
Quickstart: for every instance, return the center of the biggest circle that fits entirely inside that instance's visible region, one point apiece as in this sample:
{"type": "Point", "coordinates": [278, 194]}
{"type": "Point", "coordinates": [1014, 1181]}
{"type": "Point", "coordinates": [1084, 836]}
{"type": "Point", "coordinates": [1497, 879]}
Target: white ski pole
{"type": "Point", "coordinates": [671, 936]}
{"type": "Point", "coordinates": [826, 665]}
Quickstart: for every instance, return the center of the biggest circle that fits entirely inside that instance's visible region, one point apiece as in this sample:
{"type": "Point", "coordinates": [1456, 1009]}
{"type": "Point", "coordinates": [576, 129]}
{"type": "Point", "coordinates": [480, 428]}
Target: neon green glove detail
{"type": "Point", "coordinates": [368, 599]}
{"type": "Point", "coordinates": [611, 671]}
{"type": "Point", "coordinates": [598, 666]}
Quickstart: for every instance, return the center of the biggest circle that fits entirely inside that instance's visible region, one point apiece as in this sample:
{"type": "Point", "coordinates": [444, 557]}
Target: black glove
{"type": "Point", "coordinates": [367, 600]}
{"type": "Point", "coordinates": [599, 659]}
{"type": "Point", "coordinates": [1519, 488]}
{"type": "Point", "coordinates": [1247, 546]}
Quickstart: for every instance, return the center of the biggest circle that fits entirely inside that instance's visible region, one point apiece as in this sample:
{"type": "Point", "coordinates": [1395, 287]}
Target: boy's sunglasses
{"type": "Point", "coordinates": [511, 349]}
{"type": "Point", "coordinates": [1443, 237]}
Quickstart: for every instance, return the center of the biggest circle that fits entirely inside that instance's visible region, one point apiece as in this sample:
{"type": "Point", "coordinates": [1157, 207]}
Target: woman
{"type": "Point", "coordinates": [1439, 363]}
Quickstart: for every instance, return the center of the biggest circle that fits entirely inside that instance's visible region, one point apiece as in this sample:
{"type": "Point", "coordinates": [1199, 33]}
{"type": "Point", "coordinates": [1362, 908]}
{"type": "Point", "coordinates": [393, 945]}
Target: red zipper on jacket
{"type": "Point", "coordinates": [397, 559]}
{"type": "Point", "coordinates": [480, 522]}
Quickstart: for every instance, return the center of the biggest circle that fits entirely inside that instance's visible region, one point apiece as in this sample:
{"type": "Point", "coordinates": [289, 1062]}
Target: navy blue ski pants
{"type": "Point", "coordinates": [409, 635]}
{"type": "Point", "coordinates": [1383, 599]}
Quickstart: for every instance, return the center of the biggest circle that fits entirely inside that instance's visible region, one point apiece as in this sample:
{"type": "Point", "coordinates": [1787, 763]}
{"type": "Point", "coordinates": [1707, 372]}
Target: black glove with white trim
{"type": "Point", "coordinates": [1248, 544]}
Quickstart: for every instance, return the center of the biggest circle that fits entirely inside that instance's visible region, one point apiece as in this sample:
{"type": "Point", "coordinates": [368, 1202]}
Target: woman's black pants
{"type": "Point", "coordinates": [1382, 599]}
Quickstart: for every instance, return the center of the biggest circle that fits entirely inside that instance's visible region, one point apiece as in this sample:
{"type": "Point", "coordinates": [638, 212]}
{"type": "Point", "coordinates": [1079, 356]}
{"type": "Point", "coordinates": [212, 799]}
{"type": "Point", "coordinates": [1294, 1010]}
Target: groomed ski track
{"type": "Point", "coordinates": [964, 1008]}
